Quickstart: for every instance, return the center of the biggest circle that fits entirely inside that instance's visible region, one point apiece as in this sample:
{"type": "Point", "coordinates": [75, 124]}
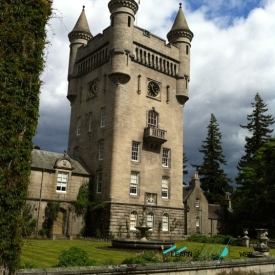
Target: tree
{"type": "Point", "coordinates": [214, 181]}
{"type": "Point", "coordinates": [184, 165]}
{"type": "Point", "coordinates": [258, 124]}
{"type": "Point", "coordinates": [254, 197]}
{"type": "Point", "coordinates": [22, 41]}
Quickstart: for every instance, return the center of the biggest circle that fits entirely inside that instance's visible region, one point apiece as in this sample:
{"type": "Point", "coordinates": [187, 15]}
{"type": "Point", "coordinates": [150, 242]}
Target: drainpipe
{"type": "Point", "coordinates": [40, 195]}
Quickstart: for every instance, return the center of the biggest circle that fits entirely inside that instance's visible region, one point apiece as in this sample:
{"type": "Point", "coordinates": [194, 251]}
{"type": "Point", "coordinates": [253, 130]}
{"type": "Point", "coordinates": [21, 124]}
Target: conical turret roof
{"type": "Point", "coordinates": [82, 26]}
{"type": "Point", "coordinates": [180, 27]}
{"type": "Point", "coordinates": [180, 21]}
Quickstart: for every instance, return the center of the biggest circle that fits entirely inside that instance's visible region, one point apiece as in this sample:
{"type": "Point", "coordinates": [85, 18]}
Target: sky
{"type": "Point", "coordinates": [232, 59]}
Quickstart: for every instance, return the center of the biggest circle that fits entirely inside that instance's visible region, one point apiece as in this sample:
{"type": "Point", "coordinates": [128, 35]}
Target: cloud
{"type": "Point", "coordinates": [232, 58]}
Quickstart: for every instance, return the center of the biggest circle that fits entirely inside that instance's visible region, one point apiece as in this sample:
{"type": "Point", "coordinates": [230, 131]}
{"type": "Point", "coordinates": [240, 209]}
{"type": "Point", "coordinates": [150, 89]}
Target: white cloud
{"type": "Point", "coordinates": [229, 64]}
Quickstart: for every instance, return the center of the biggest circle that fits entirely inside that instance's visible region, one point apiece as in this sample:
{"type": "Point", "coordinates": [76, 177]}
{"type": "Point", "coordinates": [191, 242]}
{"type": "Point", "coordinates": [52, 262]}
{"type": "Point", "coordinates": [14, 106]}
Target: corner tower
{"type": "Point", "coordinates": [181, 36]}
{"type": "Point", "coordinates": [121, 41]}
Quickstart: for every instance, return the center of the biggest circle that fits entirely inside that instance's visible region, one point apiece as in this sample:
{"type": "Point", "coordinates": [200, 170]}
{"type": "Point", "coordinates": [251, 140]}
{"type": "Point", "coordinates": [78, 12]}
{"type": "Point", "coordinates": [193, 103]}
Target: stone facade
{"type": "Point", "coordinates": [56, 178]}
{"type": "Point", "coordinates": [200, 216]}
{"type": "Point", "coordinates": [127, 88]}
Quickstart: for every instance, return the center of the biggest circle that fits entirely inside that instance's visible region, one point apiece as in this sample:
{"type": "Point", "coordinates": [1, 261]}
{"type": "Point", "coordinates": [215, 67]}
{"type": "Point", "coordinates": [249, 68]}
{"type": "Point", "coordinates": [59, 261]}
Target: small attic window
{"type": "Point", "coordinates": [197, 204]}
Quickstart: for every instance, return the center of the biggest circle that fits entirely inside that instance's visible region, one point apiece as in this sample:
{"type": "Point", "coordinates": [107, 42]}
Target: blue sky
{"type": "Point", "coordinates": [232, 58]}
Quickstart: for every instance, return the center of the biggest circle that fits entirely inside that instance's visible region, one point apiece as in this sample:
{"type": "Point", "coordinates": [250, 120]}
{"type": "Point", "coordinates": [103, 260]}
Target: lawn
{"type": "Point", "coordinates": [44, 253]}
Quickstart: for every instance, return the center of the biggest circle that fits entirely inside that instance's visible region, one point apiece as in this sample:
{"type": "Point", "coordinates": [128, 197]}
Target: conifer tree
{"type": "Point", "coordinates": [214, 181]}
{"type": "Point", "coordinates": [259, 126]}
{"type": "Point", "coordinates": [22, 42]}
{"type": "Point", "coordinates": [184, 170]}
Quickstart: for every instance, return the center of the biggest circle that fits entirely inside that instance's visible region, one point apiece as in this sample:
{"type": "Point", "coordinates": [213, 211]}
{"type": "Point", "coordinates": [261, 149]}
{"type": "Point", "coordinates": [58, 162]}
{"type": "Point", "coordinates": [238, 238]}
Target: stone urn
{"type": "Point", "coordinates": [262, 237]}
{"type": "Point", "coordinates": [245, 238]}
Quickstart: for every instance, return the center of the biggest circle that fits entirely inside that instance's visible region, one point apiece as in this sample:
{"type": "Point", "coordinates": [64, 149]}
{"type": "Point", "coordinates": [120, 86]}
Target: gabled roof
{"type": "Point", "coordinates": [47, 160]}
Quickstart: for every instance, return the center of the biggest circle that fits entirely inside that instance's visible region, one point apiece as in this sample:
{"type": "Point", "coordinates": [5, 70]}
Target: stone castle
{"type": "Point", "coordinates": [127, 88]}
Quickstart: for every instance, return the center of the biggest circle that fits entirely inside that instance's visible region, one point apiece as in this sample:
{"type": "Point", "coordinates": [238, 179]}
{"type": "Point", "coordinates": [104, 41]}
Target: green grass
{"type": "Point", "coordinates": [44, 253]}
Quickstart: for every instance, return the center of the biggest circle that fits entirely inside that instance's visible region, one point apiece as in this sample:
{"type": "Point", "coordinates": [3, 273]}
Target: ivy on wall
{"type": "Point", "coordinates": [22, 41]}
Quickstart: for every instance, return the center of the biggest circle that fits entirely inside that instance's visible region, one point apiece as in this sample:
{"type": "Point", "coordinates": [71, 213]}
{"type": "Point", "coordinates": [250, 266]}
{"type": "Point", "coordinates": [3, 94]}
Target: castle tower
{"type": "Point", "coordinates": [79, 36]}
{"type": "Point", "coordinates": [126, 121]}
{"type": "Point", "coordinates": [181, 36]}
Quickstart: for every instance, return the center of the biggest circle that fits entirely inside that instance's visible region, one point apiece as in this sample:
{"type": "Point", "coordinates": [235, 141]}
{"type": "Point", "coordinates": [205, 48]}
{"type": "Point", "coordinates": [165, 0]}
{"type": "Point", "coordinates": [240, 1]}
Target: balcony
{"type": "Point", "coordinates": [154, 136]}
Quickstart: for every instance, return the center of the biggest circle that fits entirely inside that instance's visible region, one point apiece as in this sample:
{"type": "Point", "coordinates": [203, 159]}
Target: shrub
{"type": "Point", "coordinates": [219, 239]}
{"type": "Point", "coordinates": [74, 256]}
{"type": "Point", "coordinates": [143, 258]}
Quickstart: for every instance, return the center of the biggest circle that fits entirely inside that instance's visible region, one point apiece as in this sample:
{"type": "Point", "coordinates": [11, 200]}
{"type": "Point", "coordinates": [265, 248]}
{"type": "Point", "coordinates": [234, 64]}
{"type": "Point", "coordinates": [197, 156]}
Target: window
{"type": "Point", "coordinates": [165, 157]}
{"type": "Point", "coordinates": [150, 220]}
{"type": "Point", "coordinates": [197, 203]}
{"type": "Point", "coordinates": [78, 127]}
{"type": "Point", "coordinates": [135, 151]}
{"type": "Point", "coordinates": [129, 21]}
{"type": "Point", "coordinates": [165, 222]}
{"type": "Point", "coordinates": [164, 187]}
{"type": "Point", "coordinates": [134, 184]}
{"type": "Point", "coordinates": [101, 150]}
{"type": "Point", "coordinates": [187, 49]}
{"type": "Point", "coordinates": [90, 122]}
{"type": "Point", "coordinates": [197, 222]}
{"type": "Point", "coordinates": [62, 181]}
{"type": "Point", "coordinates": [99, 182]}
{"type": "Point", "coordinates": [103, 117]}
{"type": "Point", "coordinates": [153, 119]}
{"type": "Point", "coordinates": [133, 220]}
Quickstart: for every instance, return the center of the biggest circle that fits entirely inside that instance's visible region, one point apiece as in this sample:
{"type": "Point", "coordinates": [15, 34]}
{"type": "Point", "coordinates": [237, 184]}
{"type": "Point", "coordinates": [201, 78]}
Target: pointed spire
{"type": "Point", "coordinates": [81, 26]}
{"type": "Point", "coordinates": [180, 25]}
{"type": "Point", "coordinates": [180, 21]}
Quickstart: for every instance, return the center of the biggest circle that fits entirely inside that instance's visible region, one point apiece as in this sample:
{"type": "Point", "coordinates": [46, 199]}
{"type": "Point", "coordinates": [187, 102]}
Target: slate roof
{"type": "Point", "coordinates": [187, 190]}
{"type": "Point", "coordinates": [213, 211]}
{"type": "Point", "coordinates": [46, 160]}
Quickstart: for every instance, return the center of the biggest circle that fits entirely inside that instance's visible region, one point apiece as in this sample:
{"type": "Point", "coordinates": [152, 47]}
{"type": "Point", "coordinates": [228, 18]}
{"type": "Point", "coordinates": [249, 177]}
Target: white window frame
{"type": "Point", "coordinates": [90, 122]}
{"type": "Point", "coordinates": [99, 182]}
{"type": "Point", "coordinates": [103, 117]}
{"type": "Point", "coordinates": [152, 120]}
{"type": "Point", "coordinates": [150, 220]}
{"type": "Point", "coordinates": [165, 222]}
{"type": "Point", "coordinates": [135, 151]}
{"type": "Point", "coordinates": [197, 204]}
{"type": "Point", "coordinates": [62, 182]}
{"type": "Point", "coordinates": [78, 127]}
{"type": "Point", "coordinates": [133, 220]}
{"type": "Point", "coordinates": [165, 187]}
{"type": "Point", "coordinates": [134, 181]}
{"type": "Point", "coordinates": [197, 221]}
{"type": "Point", "coordinates": [101, 146]}
{"type": "Point", "coordinates": [166, 157]}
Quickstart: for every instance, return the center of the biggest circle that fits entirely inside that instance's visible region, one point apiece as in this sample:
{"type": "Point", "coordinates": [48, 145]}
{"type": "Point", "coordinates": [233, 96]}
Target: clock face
{"type": "Point", "coordinates": [93, 88]}
{"type": "Point", "coordinates": [153, 88]}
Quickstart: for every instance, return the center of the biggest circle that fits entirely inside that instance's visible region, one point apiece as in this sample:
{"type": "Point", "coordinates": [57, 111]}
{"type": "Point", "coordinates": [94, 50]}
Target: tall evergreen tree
{"type": "Point", "coordinates": [214, 181]}
{"type": "Point", "coordinates": [22, 42]}
{"type": "Point", "coordinates": [259, 126]}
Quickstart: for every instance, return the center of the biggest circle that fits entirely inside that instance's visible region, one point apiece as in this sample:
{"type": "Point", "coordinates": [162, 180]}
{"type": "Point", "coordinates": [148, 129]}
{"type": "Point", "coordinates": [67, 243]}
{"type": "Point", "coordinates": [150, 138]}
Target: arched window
{"type": "Point", "coordinates": [133, 220]}
{"type": "Point", "coordinates": [152, 119]}
{"type": "Point", "coordinates": [150, 220]}
{"type": "Point", "coordinates": [165, 222]}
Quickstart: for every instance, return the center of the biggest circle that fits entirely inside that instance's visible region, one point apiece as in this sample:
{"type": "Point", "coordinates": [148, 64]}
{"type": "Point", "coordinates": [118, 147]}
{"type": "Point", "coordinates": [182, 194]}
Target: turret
{"type": "Point", "coordinates": [80, 35]}
{"type": "Point", "coordinates": [121, 41]}
{"type": "Point", "coordinates": [181, 36]}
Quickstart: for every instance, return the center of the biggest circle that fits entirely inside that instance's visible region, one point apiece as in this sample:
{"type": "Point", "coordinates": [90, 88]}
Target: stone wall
{"type": "Point", "coordinates": [264, 266]}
